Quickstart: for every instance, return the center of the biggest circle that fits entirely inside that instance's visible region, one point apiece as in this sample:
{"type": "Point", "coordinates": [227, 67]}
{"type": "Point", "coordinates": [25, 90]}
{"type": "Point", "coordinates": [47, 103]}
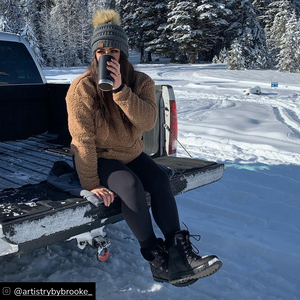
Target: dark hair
{"type": "Point", "coordinates": [103, 98]}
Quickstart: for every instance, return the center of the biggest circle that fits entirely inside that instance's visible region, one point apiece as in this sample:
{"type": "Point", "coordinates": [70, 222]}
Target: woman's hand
{"type": "Point", "coordinates": [105, 194]}
{"type": "Point", "coordinates": [114, 67]}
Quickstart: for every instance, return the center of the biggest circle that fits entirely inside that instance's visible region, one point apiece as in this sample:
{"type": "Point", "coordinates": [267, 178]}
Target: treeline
{"type": "Point", "coordinates": [241, 33]}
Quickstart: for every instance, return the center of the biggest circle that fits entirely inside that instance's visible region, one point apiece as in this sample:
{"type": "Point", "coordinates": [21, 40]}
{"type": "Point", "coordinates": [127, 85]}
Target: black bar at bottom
{"type": "Point", "coordinates": [43, 290]}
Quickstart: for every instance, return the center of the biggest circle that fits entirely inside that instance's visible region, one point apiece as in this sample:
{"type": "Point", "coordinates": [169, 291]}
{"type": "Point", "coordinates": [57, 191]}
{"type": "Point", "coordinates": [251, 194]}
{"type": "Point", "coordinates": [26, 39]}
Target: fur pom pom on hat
{"type": "Point", "coordinates": [108, 32]}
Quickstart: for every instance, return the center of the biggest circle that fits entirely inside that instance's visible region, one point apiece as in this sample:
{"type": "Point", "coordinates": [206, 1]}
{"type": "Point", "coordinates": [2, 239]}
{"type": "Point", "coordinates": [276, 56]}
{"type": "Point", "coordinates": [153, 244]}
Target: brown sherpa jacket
{"type": "Point", "coordinates": [92, 138]}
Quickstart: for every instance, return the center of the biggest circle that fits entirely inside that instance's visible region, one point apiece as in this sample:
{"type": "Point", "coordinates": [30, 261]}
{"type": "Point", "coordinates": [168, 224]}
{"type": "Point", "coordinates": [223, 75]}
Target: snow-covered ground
{"type": "Point", "coordinates": [250, 218]}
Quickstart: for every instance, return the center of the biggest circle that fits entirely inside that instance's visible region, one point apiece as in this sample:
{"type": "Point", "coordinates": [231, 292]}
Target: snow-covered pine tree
{"type": "Point", "coordinates": [47, 42]}
{"type": "Point", "coordinates": [260, 8]}
{"type": "Point", "coordinates": [250, 39]}
{"type": "Point", "coordinates": [12, 16]}
{"type": "Point", "coordinates": [236, 59]}
{"type": "Point", "coordinates": [158, 41]}
{"type": "Point", "coordinates": [277, 17]}
{"type": "Point", "coordinates": [296, 6]}
{"type": "Point", "coordinates": [215, 60]}
{"type": "Point", "coordinates": [140, 22]}
{"type": "Point", "coordinates": [274, 30]}
{"type": "Point", "coordinates": [105, 4]}
{"type": "Point", "coordinates": [150, 15]}
{"type": "Point", "coordinates": [29, 36]}
{"type": "Point", "coordinates": [143, 17]}
{"type": "Point", "coordinates": [57, 37]}
{"type": "Point", "coordinates": [4, 22]}
{"type": "Point", "coordinates": [61, 34]}
{"type": "Point", "coordinates": [212, 21]}
{"type": "Point", "coordinates": [64, 16]}
{"type": "Point", "coordinates": [145, 25]}
{"type": "Point", "coordinates": [289, 55]}
{"type": "Point", "coordinates": [184, 26]}
{"type": "Point", "coordinates": [31, 30]}
{"type": "Point", "coordinates": [83, 33]}
{"type": "Point", "coordinates": [127, 11]}
{"type": "Point", "coordinates": [94, 5]}
{"type": "Point", "coordinates": [222, 58]}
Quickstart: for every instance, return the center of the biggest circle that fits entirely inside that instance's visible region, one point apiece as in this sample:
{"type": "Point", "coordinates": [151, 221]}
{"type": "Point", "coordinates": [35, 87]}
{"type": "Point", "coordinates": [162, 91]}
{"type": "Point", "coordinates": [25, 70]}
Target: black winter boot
{"type": "Point", "coordinates": [185, 266]}
{"type": "Point", "coordinates": [158, 260]}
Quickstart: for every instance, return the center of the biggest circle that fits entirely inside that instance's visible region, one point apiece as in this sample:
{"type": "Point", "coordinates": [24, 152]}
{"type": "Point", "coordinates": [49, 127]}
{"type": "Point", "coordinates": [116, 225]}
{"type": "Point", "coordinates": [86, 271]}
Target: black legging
{"type": "Point", "coordinates": [129, 182]}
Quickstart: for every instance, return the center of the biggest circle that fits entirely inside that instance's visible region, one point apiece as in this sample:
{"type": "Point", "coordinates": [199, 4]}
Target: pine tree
{"type": "Point", "coordinates": [127, 11]}
{"type": "Point", "coordinates": [250, 39]}
{"type": "Point", "coordinates": [4, 23]}
{"type": "Point", "coordinates": [184, 25]}
{"type": "Point", "coordinates": [160, 42]}
{"type": "Point", "coordinates": [212, 20]}
{"type": "Point", "coordinates": [289, 54]}
{"type": "Point", "coordinates": [144, 23]}
{"type": "Point", "coordinates": [236, 59]}
{"type": "Point", "coordinates": [83, 32]}
{"type": "Point", "coordinates": [47, 42]}
{"type": "Point", "coordinates": [222, 58]}
{"type": "Point", "coordinates": [260, 8]}
{"type": "Point", "coordinates": [296, 7]}
{"type": "Point", "coordinates": [106, 4]}
{"type": "Point", "coordinates": [277, 17]}
{"type": "Point", "coordinates": [65, 16]}
{"type": "Point", "coordinates": [140, 20]}
{"type": "Point", "coordinates": [153, 15]}
{"type": "Point", "coordinates": [57, 36]}
{"type": "Point", "coordinates": [275, 23]}
{"type": "Point", "coordinates": [197, 26]}
{"type": "Point", "coordinates": [29, 36]}
{"type": "Point", "coordinates": [12, 16]}
{"type": "Point", "coordinates": [31, 30]}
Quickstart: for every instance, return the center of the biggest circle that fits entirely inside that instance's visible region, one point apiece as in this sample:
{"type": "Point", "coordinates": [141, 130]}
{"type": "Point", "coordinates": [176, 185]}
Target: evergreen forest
{"type": "Point", "coordinates": [244, 34]}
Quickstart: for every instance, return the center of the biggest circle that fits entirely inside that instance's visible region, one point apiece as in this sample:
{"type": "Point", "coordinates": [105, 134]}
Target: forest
{"type": "Point", "coordinates": [243, 34]}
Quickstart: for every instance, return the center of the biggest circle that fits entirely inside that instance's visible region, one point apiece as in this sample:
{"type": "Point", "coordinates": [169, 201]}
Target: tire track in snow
{"type": "Point", "coordinates": [288, 118]}
{"type": "Point", "coordinates": [227, 149]}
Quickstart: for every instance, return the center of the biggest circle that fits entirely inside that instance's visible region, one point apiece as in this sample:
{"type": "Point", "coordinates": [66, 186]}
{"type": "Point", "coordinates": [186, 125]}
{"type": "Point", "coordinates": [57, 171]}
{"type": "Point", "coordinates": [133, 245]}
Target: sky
{"type": "Point", "coordinates": [250, 218]}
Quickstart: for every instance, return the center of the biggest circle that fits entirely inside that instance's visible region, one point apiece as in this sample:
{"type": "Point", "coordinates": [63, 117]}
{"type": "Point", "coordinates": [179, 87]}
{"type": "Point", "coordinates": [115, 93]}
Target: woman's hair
{"type": "Point", "coordinates": [102, 99]}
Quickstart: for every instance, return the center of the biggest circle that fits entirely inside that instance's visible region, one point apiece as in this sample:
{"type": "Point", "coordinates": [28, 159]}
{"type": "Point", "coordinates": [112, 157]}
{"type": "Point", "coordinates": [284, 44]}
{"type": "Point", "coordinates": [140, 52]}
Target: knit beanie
{"type": "Point", "coordinates": [108, 32]}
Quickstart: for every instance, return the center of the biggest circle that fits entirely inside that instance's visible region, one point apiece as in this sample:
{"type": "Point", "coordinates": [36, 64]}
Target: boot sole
{"type": "Point", "coordinates": [185, 283]}
{"type": "Point", "coordinates": [182, 283]}
{"type": "Point", "coordinates": [205, 270]}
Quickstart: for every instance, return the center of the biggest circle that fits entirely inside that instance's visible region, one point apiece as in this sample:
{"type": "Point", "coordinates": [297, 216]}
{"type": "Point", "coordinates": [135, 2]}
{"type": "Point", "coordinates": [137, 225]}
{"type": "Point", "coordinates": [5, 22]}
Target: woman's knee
{"type": "Point", "coordinates": [131, 191]}
{"type": "Point", "coordinates": [125, 184]}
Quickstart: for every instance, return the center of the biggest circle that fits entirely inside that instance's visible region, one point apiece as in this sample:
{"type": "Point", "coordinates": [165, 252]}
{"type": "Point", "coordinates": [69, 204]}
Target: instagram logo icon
{"type": "Point", "coordinates": [6, 291]}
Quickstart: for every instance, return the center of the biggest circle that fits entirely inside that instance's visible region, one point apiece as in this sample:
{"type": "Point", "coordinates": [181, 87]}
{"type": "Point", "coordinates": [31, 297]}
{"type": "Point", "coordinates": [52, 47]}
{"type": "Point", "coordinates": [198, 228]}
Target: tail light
{"type": "Point", "coordinates": [173, 128]}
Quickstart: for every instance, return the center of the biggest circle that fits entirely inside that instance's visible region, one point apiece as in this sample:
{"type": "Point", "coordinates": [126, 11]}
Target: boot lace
{"type": "Point", "coordinates": [189, 248]}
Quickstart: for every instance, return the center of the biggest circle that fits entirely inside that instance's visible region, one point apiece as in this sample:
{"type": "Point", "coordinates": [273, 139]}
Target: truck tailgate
{"type": "Point", "coordinates": [37, 215]}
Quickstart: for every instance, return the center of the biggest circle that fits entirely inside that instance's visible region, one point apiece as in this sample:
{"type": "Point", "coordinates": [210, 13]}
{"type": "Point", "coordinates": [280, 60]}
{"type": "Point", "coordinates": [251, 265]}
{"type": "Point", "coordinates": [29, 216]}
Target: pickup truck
{"type": "Point", "coordinates": [34, 136]}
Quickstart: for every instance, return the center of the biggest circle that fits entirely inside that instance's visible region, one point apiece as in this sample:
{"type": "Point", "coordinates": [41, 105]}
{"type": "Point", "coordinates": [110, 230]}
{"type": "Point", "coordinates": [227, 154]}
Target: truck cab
{"type": "Point", "coordinates": [18, 63]}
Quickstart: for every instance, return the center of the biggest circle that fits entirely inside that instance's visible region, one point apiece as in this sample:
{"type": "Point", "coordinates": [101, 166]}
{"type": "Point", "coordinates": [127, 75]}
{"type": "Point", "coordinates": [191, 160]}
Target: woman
{"type": "Point", "coordinates": [106, 130]}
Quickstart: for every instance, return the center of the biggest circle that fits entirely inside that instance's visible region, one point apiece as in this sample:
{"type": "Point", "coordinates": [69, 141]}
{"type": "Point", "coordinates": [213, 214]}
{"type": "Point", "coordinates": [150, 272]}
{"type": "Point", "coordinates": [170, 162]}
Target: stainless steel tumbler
{"type": "Point", "coordinates": [105, 81]}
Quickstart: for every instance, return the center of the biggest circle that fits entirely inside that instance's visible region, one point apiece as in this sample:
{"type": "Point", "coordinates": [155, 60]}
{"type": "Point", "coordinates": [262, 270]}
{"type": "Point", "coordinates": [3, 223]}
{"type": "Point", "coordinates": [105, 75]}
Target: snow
{"type": "Point", "coordinates": [198, 180]}
{"type": "Point", "coordinates": [66, 219]}
{"type": "Point", "coordinates": [250, 218]}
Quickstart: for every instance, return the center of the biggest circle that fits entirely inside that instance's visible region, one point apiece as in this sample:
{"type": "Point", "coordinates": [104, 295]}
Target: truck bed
{"type": "Point", "coordinates": [33, 214]}
{"type": "Point", "coordinates": [29, 206]}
